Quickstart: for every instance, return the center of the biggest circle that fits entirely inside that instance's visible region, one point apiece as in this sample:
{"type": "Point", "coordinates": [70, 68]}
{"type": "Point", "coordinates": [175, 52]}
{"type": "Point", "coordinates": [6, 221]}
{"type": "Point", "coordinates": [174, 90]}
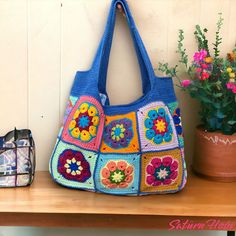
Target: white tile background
{"type": "Point", "coordinates": [44, 42]}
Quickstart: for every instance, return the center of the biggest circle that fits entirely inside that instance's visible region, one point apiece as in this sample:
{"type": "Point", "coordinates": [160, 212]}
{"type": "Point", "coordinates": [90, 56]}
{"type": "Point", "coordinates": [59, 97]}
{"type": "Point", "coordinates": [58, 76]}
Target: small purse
{"type": "Point", "coordinates": [17, 159]}
{"type": "Point", "coordinates": [133, 149]}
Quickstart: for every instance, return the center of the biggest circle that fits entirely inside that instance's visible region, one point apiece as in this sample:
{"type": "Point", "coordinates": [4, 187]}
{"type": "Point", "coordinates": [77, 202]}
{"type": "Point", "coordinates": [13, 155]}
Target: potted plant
{"type": "Point", "coordinates": [211, 80]}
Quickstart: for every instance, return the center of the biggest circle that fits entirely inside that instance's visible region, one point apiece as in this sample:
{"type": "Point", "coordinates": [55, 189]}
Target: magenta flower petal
{"type": "Point", "coordinates": [150, 179]}
{"type": "Point", "coordinates": [234, 89]}
{"type": "Point", "coordinates": [174, 166]}
{"type": "Point", "coordinates": [67, 156]}
{"type": "Point", "coordinates": [174, 175]}
{"type": "Point", "coordinates": [156, 162]}
{"type": "Point", "coordinates": [167, 181]}
{"type": "Point", "coordinates": [85, 164]}
{"type": "Point", "coordinates": [161, 171]}
{"type": "Point", "coordinates": [150, 169]}
{"type": "Point", "coordinates": [186, 83]}
{"type": "Point", "coordinates": [167, 161]}
{"type": "Point", "coordinates": [157, 183]}
{"type": "Point", "coordinates": [68, 153]}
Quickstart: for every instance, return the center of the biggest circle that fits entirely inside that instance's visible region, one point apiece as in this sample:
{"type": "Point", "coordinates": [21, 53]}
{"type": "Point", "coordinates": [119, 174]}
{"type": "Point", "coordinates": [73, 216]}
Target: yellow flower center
{"type": "Point", "coordinates": [161, 126]}
{"type": "Point", "coordinates": [117, 177]}
{"type": "Point", "coordinates": [118, 132]}
{"type": "Point", "coordinates": [76, 169]}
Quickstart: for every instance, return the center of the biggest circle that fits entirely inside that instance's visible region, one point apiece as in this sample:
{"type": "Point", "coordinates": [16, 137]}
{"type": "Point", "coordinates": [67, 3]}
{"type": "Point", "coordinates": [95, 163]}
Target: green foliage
{"type": "Point", "coordinates": [169, 71]}
{"type": "Point", "coordinates": [181, 50]}
{"type": "Point", "coordinates": [200, 36]}
{"type": "Point", "coordinates": [218, 39]}
{"type": "Point", "coordinates": [218, 103]}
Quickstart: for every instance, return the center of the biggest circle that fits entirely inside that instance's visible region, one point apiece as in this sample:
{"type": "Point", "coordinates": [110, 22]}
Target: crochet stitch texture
{"type": "Point", "coordinates": [133, 149]}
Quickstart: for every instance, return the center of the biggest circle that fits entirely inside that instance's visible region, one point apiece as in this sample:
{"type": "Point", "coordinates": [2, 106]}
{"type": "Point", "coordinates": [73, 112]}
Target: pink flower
{"type": "Point", "coordinates": [204, 66]}
{"type": "Point", "coordinates": [234, 89]}
{"type": "Point", "coordinates": [199, 70]}
{"type": "Point", "coordinates": [231, 86]}
{"type": "Point", "coordinates": [205, 75]}
{"type": "Point", "coordinates": [198, 56]}
{"type": "Point", "coordinates": [117, 174]}
{"type": "Point", "coordinates": [165, 173]}
{"type": "Point", "coordinates": [186, 83]}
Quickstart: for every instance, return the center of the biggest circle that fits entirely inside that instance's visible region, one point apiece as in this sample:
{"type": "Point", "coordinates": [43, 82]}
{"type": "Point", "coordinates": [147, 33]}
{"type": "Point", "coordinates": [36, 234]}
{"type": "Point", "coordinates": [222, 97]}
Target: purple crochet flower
{"type": "Point", "coordinates": [118, 133]}
{"type": "Point", "coordinates": [72, 165]}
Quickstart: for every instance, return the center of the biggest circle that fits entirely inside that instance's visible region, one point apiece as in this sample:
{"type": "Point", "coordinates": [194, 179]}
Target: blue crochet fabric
{"type": "Point", "coordinates": [134, 149]}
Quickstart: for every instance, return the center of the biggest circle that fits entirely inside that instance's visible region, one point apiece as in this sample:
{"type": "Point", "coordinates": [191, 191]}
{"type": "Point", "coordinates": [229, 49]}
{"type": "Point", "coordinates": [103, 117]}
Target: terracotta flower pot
{"type": "Point", "coordinates": [215, 155]}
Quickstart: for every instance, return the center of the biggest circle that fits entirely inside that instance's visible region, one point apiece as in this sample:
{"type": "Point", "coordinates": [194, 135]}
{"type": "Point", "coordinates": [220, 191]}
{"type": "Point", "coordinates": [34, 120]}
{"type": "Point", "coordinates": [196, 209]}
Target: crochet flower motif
{"type": "Point", "coordinates": [158, 126]}
{"type": "Point", "coordinates": [73, 166]}
{"type": "Point", "coordinates": [177, 121]}
{"type": "Point", "coordinates": [118, 133]}
{"type": "Point", "coordinates": [84, 123]}
{"type": "Point", "coordinates": [161, 171]}
{"type": "Point", "coordinates": [117, 174]}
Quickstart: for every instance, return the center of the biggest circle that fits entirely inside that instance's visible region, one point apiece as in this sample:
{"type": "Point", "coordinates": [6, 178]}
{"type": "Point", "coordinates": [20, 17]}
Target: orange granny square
{"type": "Point", "coordinates": [120, 134]}
{"type": "Point", "coordinates": [162, 171]}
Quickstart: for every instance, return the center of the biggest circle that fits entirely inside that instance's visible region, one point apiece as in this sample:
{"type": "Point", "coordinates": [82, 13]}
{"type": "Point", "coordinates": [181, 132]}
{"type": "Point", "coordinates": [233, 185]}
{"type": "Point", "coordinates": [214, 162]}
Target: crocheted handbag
{"type": "Point", "coordinates": [133, 149]}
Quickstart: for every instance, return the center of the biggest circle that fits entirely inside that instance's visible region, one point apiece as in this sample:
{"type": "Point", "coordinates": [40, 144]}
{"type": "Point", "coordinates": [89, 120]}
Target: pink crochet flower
{"type": "Point", "coordinates": [162, 171]}
{"type": "Point", "coordinates": [117, 174]}
{"type": "Point", "coordinates": [186, 83]}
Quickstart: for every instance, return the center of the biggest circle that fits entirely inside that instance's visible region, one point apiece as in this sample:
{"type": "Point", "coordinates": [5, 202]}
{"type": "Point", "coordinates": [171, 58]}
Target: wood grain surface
{"type": "Point", "coordinates": [45, 203]}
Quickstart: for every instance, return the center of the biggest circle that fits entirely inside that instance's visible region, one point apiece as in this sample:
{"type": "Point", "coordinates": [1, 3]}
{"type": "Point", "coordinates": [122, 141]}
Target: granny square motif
{"type": "Point", "coordinates": [156, 127]}
{"type": "Point", "coordinates": [118, 174]}
{"type": "Point", "coordinates": [133, 149]}
{"type": "Point", "coordinates": [84, 124]}
{"type": "Point", "coordinates": [163, 171]}
{"type": "Point", "coordinates": [120, 134]}
{"type": "Point", "coordinates": [73, 167]}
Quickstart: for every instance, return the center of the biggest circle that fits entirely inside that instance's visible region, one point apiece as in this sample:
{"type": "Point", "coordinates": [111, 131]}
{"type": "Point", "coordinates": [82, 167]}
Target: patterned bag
{"type": "Point", "coordinates": [133, 149]}
{"type": "Point", "coordinates": [17, 159]}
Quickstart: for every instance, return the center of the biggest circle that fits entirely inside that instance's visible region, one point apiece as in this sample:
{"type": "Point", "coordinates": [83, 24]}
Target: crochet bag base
{"type": "Point", "coordinates": [133, 149]}
{"type": "Point", "coordinates": [17, 159]}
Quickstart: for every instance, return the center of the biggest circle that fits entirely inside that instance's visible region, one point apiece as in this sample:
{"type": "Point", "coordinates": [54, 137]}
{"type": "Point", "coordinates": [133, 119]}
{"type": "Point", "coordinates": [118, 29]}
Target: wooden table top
{"type": "Point", "coordinates": [200, 198]}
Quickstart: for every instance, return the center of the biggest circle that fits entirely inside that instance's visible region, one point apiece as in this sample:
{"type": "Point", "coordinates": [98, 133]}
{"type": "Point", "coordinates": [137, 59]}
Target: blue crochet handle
{"type": "Point", "coordinates": [100, 63]}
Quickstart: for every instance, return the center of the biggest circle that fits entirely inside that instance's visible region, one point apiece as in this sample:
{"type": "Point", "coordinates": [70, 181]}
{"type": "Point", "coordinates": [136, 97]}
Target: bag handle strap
{"type": "Point", "coordinates": [100, 63]}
